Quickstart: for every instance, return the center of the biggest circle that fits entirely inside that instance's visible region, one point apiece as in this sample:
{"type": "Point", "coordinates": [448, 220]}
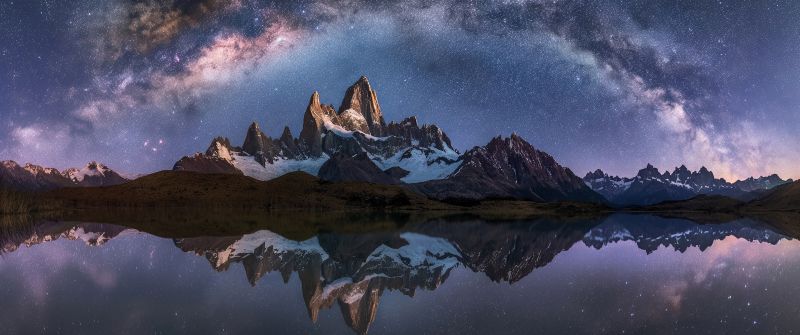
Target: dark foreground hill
{"type": "Point", "coordinates": [783, 198]}
{"type": "Point", "coordinates": [293, 192]}
{"type": "Point", "coordinates": [296, 190]}
{"type": "Point", "coordinates": [780, 205]}
{"type": "Point", "coordinates": [708, 203]}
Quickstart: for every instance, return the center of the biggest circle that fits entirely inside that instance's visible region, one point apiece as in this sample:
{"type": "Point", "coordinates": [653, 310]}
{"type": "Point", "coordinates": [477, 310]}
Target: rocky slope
{"type": "Point", "coordinates": [509, 168]}
{"type": "Point", "coordinates": [650, 186]}
{"type": "Point", "coordinates": [36, 178]}
{"type": "Point", "coordinates": [343, 167]}
{"type": "Point", "coordinates": [216, 159]}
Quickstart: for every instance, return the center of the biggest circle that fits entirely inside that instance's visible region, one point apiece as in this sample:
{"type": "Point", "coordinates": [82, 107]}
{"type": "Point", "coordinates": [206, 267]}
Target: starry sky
{"type": "Point", "coordinates": [597, 84]}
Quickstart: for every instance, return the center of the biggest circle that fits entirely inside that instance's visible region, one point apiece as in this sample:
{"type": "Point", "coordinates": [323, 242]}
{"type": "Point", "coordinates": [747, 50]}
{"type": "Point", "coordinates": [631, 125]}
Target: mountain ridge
{"type": "Point", "coordinates": [650, 186]}
{"type": "Point", "coordinates": [31, 177]}
{"type": "Point", "coordinates": [509, 168]}
{"type": "Point", "coordinates": [357, 137]}
{"type": "Point", "coordinates": [354, 143]}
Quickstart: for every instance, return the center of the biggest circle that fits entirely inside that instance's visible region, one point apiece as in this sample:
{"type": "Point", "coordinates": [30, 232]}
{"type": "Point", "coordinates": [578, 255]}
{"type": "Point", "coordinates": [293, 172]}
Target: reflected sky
{"type": "Point", "coordinates": [469, 277]}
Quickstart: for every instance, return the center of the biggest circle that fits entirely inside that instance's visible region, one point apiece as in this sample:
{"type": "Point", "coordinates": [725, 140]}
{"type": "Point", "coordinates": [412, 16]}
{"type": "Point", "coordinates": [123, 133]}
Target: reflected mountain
{"type": "Point", "coordinates": [349, 270]}
{"type": "Point", "coordinates": [354, 270]}
{"type": "Point", "coordinates": [508, 251]}
{"type": "Point", "coordinates": [650, 232]}
{"type": "Point", "coordinates": [93, 234]}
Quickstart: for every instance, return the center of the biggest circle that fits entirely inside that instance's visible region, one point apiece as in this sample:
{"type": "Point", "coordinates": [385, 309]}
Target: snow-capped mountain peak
{"type": "Point", "coordinates": [92, 169]}
{"type": "Point", "coordinates": [94, 174]}
{"type": "Point", "coordinates": [32, 177]}
{"type": "Point", "coordinates": [650, 186]}
{"type": "Point", "coordinates": [358, 127]}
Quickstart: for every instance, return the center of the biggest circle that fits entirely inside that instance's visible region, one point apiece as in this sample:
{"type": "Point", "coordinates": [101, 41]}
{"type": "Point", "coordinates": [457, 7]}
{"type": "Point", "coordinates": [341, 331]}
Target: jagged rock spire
{"type": "Point", "coordinates": [220, 147]}
{"type": "Point", "coordinates": [288, 145]}
{"type": "Point", "coordinates": [255, 141]}
{"type": "Point", "coordinates": [649, 172]}
{"type": "Point", "coordinates": [259, 145]}
{"type": "Point", "coordinates": [287, 133]}
{"type": "Point", "coordinates": [313, 123]}
{"type": "Point", "coordinates": [595, 175]}
{"type": "Point", "coordinates": [361, 98]}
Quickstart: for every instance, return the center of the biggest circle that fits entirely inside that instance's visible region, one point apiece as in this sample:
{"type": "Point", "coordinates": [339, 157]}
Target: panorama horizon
{"type": "Point", "coordinates": [399, 167]}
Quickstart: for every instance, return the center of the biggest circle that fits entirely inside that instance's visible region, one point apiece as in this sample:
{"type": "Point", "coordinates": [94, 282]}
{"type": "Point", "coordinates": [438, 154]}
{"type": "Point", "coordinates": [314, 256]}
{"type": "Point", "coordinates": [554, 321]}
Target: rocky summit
{"type": "Point", "coordinates": [357, 128]}
{"type": "Point", "coordinates": [510, 168]}
{"type": "Point", "coordinates": [760, 183]}
{"type": "Point", "coordinates": [354, 143]}
{"type": "Point", "coordinates": [650, 186]}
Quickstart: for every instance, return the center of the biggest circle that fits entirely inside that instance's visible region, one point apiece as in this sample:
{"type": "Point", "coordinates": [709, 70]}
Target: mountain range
{"type": "Point", "coordinates": [36, 178]}
{"type": "Point", "coordinates": [354, 143]}
{"type": "Point", "coordinates": [650, 186]}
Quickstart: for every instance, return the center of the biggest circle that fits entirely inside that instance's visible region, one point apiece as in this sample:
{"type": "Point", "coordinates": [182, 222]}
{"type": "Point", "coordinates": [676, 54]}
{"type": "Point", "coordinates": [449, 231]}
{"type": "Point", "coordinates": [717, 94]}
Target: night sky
{"type": "Point", "coordinates": [611, 85]}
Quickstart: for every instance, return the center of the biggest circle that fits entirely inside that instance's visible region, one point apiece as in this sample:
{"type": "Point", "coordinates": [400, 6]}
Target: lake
{"type": "Point", "coordinates": [619, 274]}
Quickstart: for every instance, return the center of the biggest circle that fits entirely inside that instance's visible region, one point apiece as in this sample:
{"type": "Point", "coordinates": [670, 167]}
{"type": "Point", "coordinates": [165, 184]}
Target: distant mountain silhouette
{"type": "Point", "coordinates": [650, 186]}
{"type": "Point", "coordinates": [32, 177]}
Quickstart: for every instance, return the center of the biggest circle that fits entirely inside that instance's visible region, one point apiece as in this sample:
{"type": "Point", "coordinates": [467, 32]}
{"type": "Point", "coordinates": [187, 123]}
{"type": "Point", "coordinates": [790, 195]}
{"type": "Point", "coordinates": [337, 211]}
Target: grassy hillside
{"type": "Point", "coordinates": [780, 205]}
{"type": "Point", "coordinates": [700, 203]}
{"type": "Point", "coordinates": [181, 203]}
{"type": "Point", "coordinates": [783, 198]}
{"type": "Point", "coordinates": [293, 191]}
{"type": "Point", "coordinates": [298, 191]}
{"type": "Point", "coordinates": [13, 203]}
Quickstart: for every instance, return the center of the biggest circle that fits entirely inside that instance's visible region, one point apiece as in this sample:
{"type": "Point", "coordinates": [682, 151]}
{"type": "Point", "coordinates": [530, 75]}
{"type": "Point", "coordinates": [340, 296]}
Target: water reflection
{"type": "Point", "coordinates": [668, 267]}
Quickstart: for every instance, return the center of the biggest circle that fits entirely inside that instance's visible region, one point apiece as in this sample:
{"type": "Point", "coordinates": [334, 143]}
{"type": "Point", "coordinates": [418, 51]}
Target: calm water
{"type": "Point", "coordinates": [622, 274]}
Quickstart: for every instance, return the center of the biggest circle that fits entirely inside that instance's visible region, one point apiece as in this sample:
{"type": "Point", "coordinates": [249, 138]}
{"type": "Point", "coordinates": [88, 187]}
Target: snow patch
{"type": "Point", "coordinates": [420, 250]}
{"type": "Point", "coordinates": [354, 118]}
{"type": "Point", "coordinates": [337, 129]}
{"type": "Point", "coordinates": [222, 151]}
{"type": "Point", "coordinates": [250, 242]}
{"type": "Point", "coordinates": [421, 166]}
{"type": "Point", "coordinates": [344, 133]}
{"type": "Point", "coordinates": [93, 238]}
{"type": "Point", "coordinates": [251, 168]}
{"type": "Point", "coordinates": [99, 170]}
